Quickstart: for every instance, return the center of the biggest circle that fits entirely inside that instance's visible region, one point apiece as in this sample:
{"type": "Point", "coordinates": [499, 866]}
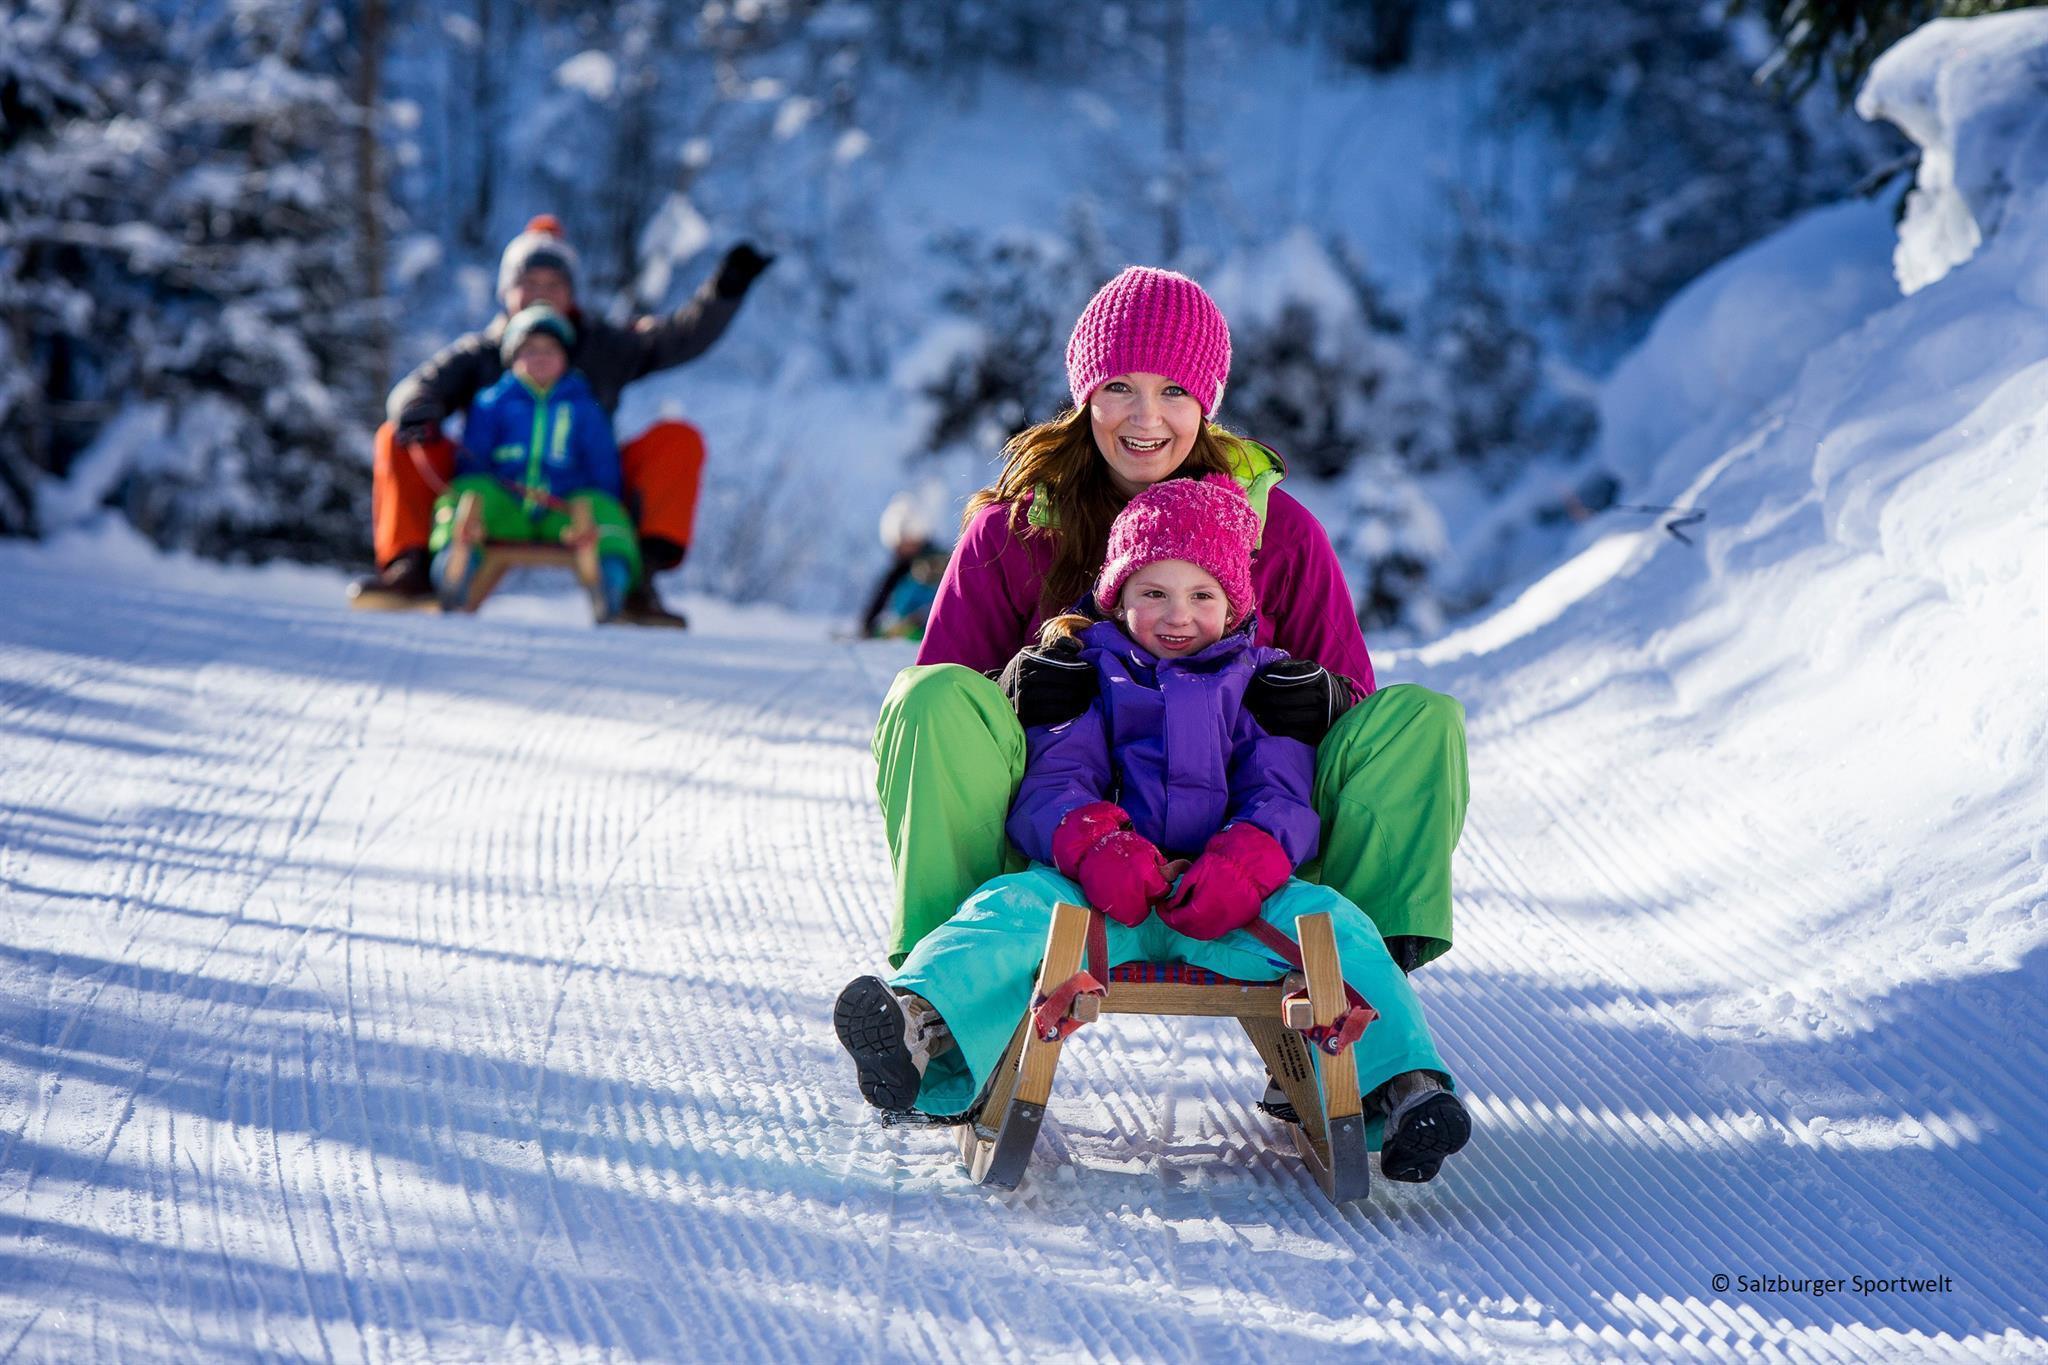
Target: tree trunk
{"type": "Point", "coordinates": [370, 186]}
{"type": "Point", "coordinates": [477, 223]}
{"type": "Point", "coordinates": [1176, 43]}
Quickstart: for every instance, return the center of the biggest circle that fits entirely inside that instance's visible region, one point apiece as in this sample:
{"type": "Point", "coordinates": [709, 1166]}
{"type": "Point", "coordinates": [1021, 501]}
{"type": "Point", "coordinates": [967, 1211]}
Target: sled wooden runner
{"type": "Point", "coordinates": [501, 557]}
{"type": "Point", "coordinates": [996, 1147]}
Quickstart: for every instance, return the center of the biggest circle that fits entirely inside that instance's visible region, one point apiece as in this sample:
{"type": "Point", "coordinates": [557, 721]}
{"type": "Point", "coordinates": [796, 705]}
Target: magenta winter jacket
{"type": "Point", "coordinates": [988, 607]}
{"type": "Point", "coordinates": [1169, 741]}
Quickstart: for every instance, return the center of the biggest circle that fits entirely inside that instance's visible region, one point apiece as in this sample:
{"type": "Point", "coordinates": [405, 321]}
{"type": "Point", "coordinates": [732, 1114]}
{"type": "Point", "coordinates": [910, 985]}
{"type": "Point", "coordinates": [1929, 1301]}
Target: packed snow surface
{"type": "Point", "coordinates": [404, 987]}
{"type": "Point", "coordinates": [401, 987]}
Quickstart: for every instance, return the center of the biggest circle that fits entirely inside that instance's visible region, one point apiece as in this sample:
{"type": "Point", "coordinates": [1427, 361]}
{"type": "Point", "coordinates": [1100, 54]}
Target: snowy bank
{"type": "Point", "coordinates": [1974, 95]}
{"type": "Point", "coordinates": [1853, 656]}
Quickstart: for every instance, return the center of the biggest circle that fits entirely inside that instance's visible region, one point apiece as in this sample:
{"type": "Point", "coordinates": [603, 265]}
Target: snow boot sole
{"type": "Point", "coordinates": [1275, 1104]}
{"type": "Point", "coordinates": [1431, 1131]}
{"type": "Point", "coordinates": [870, 1023]}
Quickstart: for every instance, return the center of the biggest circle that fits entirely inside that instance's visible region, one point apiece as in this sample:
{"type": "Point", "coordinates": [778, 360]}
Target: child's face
{"type": "Point", "coordinates": [540, 360]}
{"type": "Point", "coordinates": [1173, 608]}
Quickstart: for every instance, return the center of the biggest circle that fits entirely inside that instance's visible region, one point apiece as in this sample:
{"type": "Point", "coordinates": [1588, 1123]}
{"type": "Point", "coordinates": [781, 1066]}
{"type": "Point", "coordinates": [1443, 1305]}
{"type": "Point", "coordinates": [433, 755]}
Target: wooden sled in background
{"type": "Point", "coordinates": [500, 557]}
{"type": "Point", "coordinates": [1277, 1015]}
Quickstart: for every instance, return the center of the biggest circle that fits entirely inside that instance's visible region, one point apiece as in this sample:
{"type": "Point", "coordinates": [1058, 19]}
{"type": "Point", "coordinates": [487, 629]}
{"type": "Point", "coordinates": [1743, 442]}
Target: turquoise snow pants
{"type": "Point", "coordinates": [979, 969]}
{"type": "Point", "coordinates": [1390, 786]}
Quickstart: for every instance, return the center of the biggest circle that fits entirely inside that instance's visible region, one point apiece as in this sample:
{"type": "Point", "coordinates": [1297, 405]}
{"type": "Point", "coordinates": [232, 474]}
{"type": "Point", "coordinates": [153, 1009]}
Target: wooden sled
{"type": "Point", "coordinates": [500, 557]}
{"type": "Point", "coordinates": [996, 1147]}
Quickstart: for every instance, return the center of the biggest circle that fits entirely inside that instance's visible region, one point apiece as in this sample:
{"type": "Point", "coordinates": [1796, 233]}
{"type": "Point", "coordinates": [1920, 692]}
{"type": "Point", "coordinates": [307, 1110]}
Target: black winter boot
{"type": "Point", "coordinates": [891, 1036]}
{"type": "Point", "coordinates": [643, 608]}
{"type": "Point", "coordinates": [1425, 1124]}
{"type": "Point", "coordinates": [402, 583]}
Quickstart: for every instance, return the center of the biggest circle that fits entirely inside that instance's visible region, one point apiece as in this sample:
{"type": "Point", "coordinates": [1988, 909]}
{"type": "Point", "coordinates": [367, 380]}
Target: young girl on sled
{"type": "Point", "coordinates": [1166, 807]}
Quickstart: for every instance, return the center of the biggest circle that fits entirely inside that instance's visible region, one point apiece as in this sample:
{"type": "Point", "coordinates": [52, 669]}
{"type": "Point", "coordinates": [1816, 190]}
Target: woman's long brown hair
{"type": "Point", "coordinates": [1060, 457]}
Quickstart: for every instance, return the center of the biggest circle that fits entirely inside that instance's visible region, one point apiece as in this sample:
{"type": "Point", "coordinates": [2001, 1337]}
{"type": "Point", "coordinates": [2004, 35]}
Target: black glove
{"type": "Point", "coordinates": [1406, 950]}
{"type": "Point", "coordinates": [1047, 686]}
{"type": "Point", "coordinates": [738, 271]}
{"type": "Point", "coordinates": [1297, 699]}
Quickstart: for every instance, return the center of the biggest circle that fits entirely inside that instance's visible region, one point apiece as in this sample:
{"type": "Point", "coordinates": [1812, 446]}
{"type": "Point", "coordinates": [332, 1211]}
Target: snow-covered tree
{"type": "Point", "coordinates": [1676, 156]}
{"type": "Point", "coordinates": [1322, 368]}
{"type": "Point", "coordinates": [1389, 540]}
{"type": "Point", "coordinates": [61, 68]}
{"type": "Point", "coordinates": [1841, 38]}
{"type": "Point", "coordinates": [997, 366]}
{"type": "Point", "coordinates": [211, 369]}
{"type": "Point", "coordinates": [1504, 408]}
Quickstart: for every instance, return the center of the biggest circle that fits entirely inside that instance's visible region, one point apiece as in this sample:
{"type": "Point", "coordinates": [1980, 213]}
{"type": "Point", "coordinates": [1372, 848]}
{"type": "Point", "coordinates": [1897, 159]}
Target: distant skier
{"type": "Point", "coordinates": [1167, 807]}
{"type": "Point", "coordinates": [661, 467]}
{"type": "Point", "coordinates": [902, 597]}
{"type": "Point", "coordinates": [535, 444]}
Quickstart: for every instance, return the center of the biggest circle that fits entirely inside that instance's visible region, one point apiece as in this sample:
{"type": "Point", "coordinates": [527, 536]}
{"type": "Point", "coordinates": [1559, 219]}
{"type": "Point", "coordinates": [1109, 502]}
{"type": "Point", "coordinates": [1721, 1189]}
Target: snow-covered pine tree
{"type": "Point", "coordinates": [1504, 411]}
{"type": "Point", "coordinates": [62, 67]}
{"type": "Point", "coordinates": [1013, 296]}
{"type": "Point", "coordinates": [1378, 35]}
{"type": "Point", "coordinates": [1841, 38]}
{"type": "Point", "coordinates": [1322, 367]}
{"type": "Point", "coordinates": [213, 375]}
{"type": "Point", "coordinates": [1389, 542]}
{"type": "Point", "coordinates": [1677, 157]}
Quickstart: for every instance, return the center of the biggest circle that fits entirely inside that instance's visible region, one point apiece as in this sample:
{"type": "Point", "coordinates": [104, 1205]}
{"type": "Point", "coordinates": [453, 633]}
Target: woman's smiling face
{"type": "Point", "coordinates": [1173, 608]}
{"type": "Point", "coordinates": [1144, 425]}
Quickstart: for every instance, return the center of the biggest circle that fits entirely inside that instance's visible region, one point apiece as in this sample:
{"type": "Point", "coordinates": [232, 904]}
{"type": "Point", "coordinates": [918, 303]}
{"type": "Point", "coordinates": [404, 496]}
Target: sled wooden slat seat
{"type": "Point", "coordinates": [1178, 988]}
{"type": "Point", "coordinates": [503, 556]}
{"type": "Point", "coordinates": [996, 1146]}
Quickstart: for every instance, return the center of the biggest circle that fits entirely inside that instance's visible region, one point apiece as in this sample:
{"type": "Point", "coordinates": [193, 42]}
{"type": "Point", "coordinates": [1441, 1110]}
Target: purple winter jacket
{"type": "Point", "coordinates": [1170, 742]}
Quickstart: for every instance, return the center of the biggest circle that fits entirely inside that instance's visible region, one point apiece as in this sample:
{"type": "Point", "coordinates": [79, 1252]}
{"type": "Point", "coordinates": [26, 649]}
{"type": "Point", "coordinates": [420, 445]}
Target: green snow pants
{"type": "Point", "coordinates": [979, 968]}
{"type": "Point", "coordinates": [507, 517]}
{"type": "Point", "coordinates": [1390, 786]}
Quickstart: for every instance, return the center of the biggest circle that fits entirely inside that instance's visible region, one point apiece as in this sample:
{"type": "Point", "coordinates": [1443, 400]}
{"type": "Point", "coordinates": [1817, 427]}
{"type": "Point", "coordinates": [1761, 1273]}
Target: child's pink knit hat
{"type": "Point", "coordinates": [1205, 521]}
{"type": "Point", "coordinates": [1148, 321]}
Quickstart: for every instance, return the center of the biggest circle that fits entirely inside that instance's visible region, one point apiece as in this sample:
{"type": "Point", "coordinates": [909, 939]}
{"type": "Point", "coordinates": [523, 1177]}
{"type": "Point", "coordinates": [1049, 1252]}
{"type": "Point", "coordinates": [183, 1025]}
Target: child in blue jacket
{"type": "Point", "coordinates": [535, 444]}
{"type": "Point", "coordinates": [1168, 808]}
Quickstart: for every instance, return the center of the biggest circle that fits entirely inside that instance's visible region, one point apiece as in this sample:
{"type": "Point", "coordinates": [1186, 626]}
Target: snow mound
{"type": "Point", "coordinates": [1734, 339]}
{"type": "Point", "coordinates": [1974, 94]}
{"type": "Point", "coordinates": [1837, 691]}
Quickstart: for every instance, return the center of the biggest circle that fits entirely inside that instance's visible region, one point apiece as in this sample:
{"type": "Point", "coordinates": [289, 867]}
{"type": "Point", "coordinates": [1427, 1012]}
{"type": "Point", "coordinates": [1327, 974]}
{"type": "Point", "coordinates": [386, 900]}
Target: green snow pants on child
{"type": "Point", "coordinates": [1390, 786]}
{"type": "Point", "coordinates": [508, 517]}
{"type": "Point", "coordinates": [978, 970]}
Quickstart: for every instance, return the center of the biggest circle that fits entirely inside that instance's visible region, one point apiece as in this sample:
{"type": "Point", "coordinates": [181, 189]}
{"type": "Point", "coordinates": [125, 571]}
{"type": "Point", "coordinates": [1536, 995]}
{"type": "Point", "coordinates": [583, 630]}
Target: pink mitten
{"type": "Point", "coordinates": [1238, 869]}
{"type": "Point", "coordinates": [1120, 871]}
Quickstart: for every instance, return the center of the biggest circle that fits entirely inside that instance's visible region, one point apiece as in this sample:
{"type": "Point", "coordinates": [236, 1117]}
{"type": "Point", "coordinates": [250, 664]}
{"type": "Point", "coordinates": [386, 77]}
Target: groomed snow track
{"type": "Point", "coordinates": [402, 988]}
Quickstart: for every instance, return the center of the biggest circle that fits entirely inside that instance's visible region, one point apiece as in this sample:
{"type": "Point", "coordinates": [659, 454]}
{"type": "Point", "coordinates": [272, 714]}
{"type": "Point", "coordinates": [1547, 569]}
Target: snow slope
{"type": "Point", "coordinates": [388, 988]}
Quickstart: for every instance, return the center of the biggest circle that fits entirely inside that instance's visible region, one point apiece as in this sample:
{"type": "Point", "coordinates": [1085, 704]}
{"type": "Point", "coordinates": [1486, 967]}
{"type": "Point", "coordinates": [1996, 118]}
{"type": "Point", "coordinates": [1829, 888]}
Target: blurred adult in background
{"type": "Point", "coordinates": [663, 466]}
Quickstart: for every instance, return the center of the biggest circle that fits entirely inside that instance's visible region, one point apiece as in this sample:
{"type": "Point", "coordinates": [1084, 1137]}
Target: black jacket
{"type": "Point", "coordinates": [609, 356]}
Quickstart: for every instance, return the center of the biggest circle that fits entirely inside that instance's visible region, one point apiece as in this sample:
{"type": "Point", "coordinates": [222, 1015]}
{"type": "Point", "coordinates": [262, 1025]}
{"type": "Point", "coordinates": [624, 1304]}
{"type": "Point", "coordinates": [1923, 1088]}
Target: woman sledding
{"type": "Point", "coordinates": [1168, 808]}
{"type": "Point", "coordinates": [1147, 364]}
{"type": "Point", "coordinates": [1390, 783]}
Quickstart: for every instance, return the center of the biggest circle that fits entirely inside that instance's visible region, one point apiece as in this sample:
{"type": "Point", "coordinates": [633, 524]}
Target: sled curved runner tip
{"type": "Point", "coordinates": [996, 1145]}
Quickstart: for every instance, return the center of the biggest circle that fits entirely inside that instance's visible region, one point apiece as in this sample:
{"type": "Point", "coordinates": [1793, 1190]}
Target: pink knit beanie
{"type": "Point", "coordinates": [1205, 521]}
{"type": "Point", "coordinates": [1148, 321]}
